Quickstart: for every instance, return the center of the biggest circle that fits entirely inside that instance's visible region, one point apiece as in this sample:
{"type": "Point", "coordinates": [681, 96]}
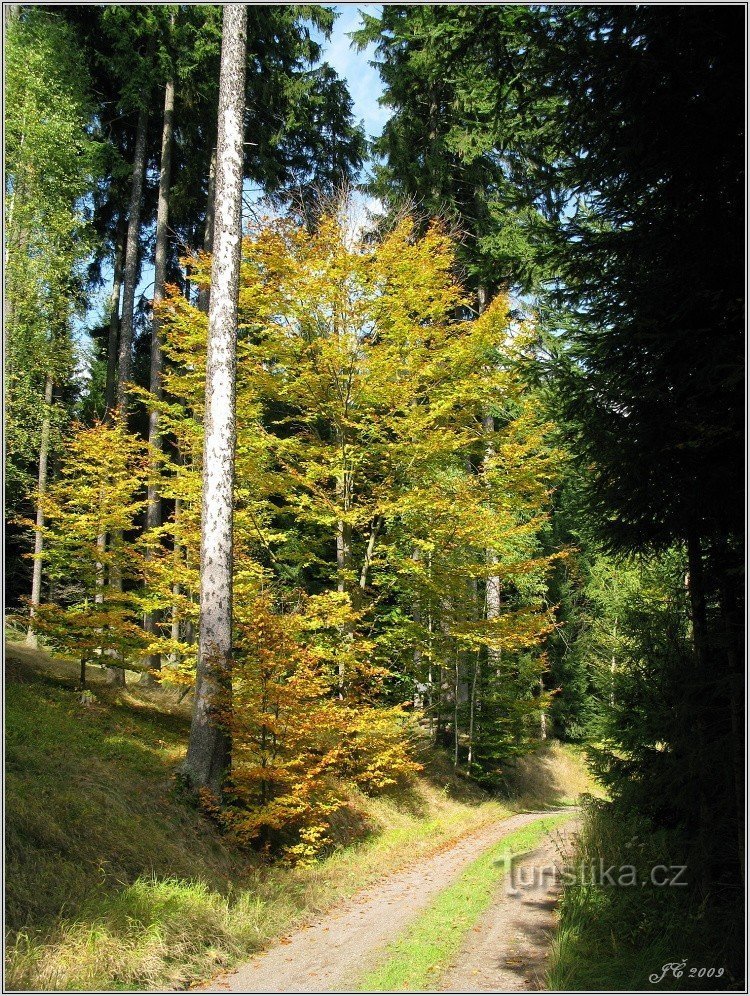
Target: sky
{"type": "Point", "coordinates": [363, 80]}
{"type": "Point", "coordinates": [364, 85]}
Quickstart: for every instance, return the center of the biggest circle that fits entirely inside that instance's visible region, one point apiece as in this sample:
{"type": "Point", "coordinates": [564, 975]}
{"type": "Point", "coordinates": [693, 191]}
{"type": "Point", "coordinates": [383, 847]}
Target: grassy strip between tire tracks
{"type": "Point", "coordinates": [415, 960]}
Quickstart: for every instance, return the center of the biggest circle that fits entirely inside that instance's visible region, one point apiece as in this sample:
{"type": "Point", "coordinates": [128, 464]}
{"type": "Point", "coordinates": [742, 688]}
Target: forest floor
{"type": "Point", "coordinates": [114, 882]}
{"type": "Point", "coordinates": [505, 949]}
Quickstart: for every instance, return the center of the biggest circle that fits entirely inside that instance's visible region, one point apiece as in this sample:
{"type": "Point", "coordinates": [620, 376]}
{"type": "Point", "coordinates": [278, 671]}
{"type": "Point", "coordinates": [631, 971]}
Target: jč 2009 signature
{"type": "Point", "coordinates": [678, 968]}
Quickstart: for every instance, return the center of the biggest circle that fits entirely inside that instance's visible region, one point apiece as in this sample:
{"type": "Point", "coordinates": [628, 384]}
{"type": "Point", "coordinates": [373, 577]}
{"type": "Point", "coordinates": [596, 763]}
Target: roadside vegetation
{"type": "Point", "coordinates": [115, 881]}
{"type": "Point", "coordinates": [616, 937]}
{"type": "Point", "coordinates": [351, 474]}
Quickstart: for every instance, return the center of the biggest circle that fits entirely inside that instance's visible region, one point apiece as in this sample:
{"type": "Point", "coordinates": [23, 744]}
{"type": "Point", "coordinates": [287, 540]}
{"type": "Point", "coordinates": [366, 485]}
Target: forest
{"type": "Point", "coordinates": [374, 490]}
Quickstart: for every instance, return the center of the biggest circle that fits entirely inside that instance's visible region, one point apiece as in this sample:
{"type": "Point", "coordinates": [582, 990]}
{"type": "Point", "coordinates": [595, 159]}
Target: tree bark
{"type": "Point", "coordinates": [472, 711]}
{"type": "Point", "coordinates": [493, 599]}
{"type": "Point", "coordinates": [416, 613]}
{"type": "Point", "coordinates": [115, 674]}
{"type": "Point", "coordinates": [131, 262]}
{"type": "Point", "coordinates": [697, 593]}
{"type": "Point", "coordinates": [36, 577]}
{"type": "Point", "coordinates": [114, 319]}
{"type": "Point", "coordinates": [153, 500]}
{"type": "Point", "coordinates": [111, 383]}
{"type": "Point", "coordinates": [377, 523]}
{"type": "Point", "coordinates": [209, 747]}
{"type": "Point", "coordinates": [176, 590]}
{"type": "Point", "coordinates": [343, 547]}
{"type": "Point", "coordinates": [204, 294]}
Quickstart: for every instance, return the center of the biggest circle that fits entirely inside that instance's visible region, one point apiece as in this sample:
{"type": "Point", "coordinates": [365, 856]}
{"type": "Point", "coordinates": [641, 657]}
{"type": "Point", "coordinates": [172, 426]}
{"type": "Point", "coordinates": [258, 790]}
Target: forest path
{"type": "Point", "coordinates": [332, 952]}
{"type": "Point", "coordinates": [507, 950]}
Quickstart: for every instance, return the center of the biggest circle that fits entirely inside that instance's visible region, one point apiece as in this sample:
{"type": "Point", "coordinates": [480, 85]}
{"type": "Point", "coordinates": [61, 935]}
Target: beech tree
{"type": "Point", "coordinates": [348, 426]}
{"type": "Point", "coordinates": [209, 747]}
{"type": "Point", "coordinates": [98, 492]}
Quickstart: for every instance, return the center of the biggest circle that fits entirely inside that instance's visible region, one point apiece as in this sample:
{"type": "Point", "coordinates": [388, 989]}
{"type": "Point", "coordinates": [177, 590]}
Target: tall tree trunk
{"type": "Point", "coordinates": [493, 600]}
{"type": "Point", "coordinates": [542, 711]}
{"type": "Point", "coordinates": [36, 577]}
{"type": "Point", "coordinates": [375, 528]}
{"type": "Point", "coordinates": [131, 261]}
{"type": "Point", "coordinates": [114, 318]}
{"type": "Point", "coordinates": [176, 590]}
{"type": "Point", "coordinates": [209, 746]}
{"type": "Point", "coordinates": [456, 685]}
{"type": "Point", "coordinates": [472, 712]}
{"type": "Point", "coordinates": [116, 675]}
{"type": "Point", "coordinates": [204, 294]}
{"type": "Point", "coordinates": [153, 505]}
{"type": "Point", "coordinates": [110, 393]}
{"type": "Point", "coordinates": [111, 383]}
{"type": "Point", "coordinates": [343, 548]}
{"type": "Point", "coordinates": [697, 591]}
{"type": "Point", "coordinates": [416, 613]}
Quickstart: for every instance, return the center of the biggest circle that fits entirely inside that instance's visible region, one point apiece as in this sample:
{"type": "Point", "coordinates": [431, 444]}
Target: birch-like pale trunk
{"type": "Point", "coordinates": [114, 319]}
{"type": "Point", "coordinates": [209, 747]}
{"type": "Point", "coordinates": [493, 599]}
{"type": "Point", "coordinates": [36, 577]}
{"type": "Point", "coordinates": [131, 261]}
{"type": "Point", "coordinates": [153, 499]}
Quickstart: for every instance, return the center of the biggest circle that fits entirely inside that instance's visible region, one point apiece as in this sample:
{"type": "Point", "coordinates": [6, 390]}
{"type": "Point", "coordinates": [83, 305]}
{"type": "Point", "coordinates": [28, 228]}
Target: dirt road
{"type": "Point", "coordinates": [331, 953]}
{"type": "Point", "coordinates": [507, 950]}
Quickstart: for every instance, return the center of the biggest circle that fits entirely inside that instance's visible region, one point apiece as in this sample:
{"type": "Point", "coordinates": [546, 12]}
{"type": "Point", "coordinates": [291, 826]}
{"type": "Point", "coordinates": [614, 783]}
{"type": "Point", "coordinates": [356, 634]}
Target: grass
{"type": "Point", "coordinates": [555, 771]}
{"type": "Point", "coordinates": [417, 959]}
{"type": "Point", "coordinates": [112, 882]}
{"type": "Point", "coordinates": [614, 938]}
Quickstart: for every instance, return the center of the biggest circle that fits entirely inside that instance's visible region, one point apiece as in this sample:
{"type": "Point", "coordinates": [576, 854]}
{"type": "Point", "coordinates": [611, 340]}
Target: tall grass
{"type": "Point", "coordinates": [112, 882]}
{"type": "Point", "coordinates": [616, 937]}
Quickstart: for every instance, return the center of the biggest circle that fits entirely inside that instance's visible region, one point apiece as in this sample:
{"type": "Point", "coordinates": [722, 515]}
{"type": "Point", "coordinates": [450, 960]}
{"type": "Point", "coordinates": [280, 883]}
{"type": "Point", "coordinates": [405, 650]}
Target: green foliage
{"type": "Point", "coordinates": [351, 437]}
{"type": "Point", "coordinates": [650, 387]}
{"type": "Point", "coordinates": [52, 161]}
{"type": "Point", "coordinates": [456, 144]}
{"type": "Point", "coordinates": [616, 938]}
